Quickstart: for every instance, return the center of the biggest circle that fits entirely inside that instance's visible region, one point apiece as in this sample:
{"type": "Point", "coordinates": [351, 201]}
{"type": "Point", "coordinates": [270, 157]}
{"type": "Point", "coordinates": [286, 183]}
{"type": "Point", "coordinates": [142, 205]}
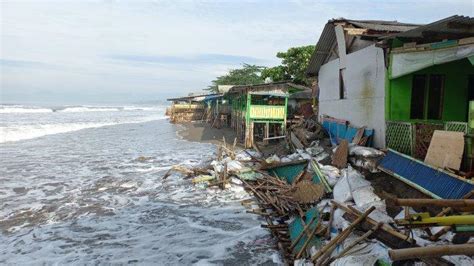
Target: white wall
{"type": "Point", "coordinates": [364, 79]}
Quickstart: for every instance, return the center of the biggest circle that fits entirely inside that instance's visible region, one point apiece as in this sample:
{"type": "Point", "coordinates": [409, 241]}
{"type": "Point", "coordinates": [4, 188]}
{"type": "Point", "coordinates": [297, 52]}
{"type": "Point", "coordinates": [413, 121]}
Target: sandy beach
{"type": "Point", "coordinates": [203, 132]}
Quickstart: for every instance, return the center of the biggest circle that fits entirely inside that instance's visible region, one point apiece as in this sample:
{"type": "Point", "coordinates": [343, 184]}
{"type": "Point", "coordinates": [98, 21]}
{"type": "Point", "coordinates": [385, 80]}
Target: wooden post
{"type": "Point", "coordinates": [431, 251]}
{"type": "Point", "coordinates": [267, 133]}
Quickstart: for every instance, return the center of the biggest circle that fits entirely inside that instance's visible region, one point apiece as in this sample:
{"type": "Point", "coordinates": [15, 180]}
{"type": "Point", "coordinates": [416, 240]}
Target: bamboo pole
{"type": "Point", "coordinates": [342, 235]}
{"type": "Point", "coordinates": [357, 241]}
{"type": "Point", "coordinates": [431, 251]}
{"type": "Point", "coordinates": [455, 203]}
{"type": "Point", "coordinates": [305, 228]}
{"type": "Point", "coordinates": [331, 218]}
{"type": "Point", "coordinates": [445, 211]}
{"type": "Point", "coordinates": [303, 248]}
{"type": "Point", "coordinates": [385, 227]}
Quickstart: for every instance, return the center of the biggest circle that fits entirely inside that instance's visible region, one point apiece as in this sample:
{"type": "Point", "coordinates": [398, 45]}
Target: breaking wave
{"type": "Point", "coordinates": [21, 109]}
{"type": "Point", "coordinates": [23, 122]}
{"type": "Point", "coordinates": [11, 109]}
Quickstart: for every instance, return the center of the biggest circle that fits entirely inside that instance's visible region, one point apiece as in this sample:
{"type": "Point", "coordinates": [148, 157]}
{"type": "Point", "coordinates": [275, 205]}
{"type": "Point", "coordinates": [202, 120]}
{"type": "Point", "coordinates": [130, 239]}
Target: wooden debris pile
{"type": "Point", "coordinates": [296, 202]}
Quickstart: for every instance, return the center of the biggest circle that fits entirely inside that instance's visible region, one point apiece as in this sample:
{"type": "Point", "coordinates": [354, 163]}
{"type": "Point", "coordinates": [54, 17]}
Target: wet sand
{"type": "Point", "coordinates": [203, 132]}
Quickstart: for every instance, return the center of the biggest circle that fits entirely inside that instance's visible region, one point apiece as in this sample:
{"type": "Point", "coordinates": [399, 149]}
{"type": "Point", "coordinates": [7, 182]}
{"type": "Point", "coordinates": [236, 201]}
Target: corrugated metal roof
{"type": "Point", "coordinates": [191, 97]}
{"type": "Point", "coordinates": [328, 37]}
{"type": "Point", "coordinates": [306, 94]}
{"type": "Point", "coordinates": [267, 86]}
{"type": "Point", "coordinates": [427, 179]}
{"type": "Point", "coordinates": [377, 25]}
{"type": "Point", "coordinates": [454, 25]}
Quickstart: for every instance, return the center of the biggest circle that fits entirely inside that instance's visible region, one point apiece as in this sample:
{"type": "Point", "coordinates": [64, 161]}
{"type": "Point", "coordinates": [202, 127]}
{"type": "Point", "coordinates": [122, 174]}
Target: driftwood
{"type": "Point", "coordinates": [431, 252]}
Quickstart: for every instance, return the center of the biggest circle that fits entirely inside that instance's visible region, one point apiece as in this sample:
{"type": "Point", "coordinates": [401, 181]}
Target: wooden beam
{"type": "Point", "coordinates": [355, 31]}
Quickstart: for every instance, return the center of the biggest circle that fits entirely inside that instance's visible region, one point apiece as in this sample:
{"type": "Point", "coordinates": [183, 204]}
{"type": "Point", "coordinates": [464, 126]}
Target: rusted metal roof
{"type": "Point", "coordinates": [454, 27]}
{"type": "Point", "coordinates": [380, 25]}
{"type": "Point", "coordinates": [327, 39]}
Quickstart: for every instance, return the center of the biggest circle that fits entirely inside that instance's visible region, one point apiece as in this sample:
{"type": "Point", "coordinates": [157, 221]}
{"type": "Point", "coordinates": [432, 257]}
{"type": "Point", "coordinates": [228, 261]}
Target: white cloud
{"type": "Point", "coordinates": [73, 40]}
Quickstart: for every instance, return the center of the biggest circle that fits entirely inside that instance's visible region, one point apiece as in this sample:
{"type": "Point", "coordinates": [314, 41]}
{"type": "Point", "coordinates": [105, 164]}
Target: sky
{"type": "Point", "coordinates": [130, 51]}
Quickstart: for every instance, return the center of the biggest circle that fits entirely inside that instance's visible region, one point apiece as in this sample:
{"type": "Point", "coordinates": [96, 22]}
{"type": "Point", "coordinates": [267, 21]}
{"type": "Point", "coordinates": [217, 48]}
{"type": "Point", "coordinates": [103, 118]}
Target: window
{"type": "Point", "coordinates": [427, 97]}
{"type": "Point", "coordinates": [470, 93]}
{"type": "Point", "coordinates": [418, 96]}
{"type": "Point", "coordinates": [342, 87]}
{"type": "Point", "coordinates": [435, 97]}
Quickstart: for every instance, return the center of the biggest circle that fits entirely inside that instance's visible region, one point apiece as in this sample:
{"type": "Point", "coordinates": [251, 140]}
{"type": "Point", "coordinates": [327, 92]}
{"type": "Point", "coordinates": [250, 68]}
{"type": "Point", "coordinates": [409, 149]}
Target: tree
{"type": "Point", "coordinates": [294, 63]}
{"type": "Point", "coordinates": [277, 73]}
{"type": "Point", "coordinates": [247, 75]}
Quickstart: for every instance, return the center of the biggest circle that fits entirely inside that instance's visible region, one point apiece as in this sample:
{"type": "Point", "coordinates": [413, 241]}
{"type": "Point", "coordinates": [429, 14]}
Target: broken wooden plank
{"type": "Point", "coordinates": [446, 149]}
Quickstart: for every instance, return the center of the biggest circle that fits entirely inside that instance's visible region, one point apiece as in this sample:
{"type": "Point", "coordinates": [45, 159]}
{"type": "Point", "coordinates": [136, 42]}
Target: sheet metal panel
{"type": "Point", "coordinates": [431, 181]}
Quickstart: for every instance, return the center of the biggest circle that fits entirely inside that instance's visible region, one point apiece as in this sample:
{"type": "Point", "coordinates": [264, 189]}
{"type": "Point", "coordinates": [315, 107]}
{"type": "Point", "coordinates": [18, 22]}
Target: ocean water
{"type": "Point", "coordinates": [83, 185]}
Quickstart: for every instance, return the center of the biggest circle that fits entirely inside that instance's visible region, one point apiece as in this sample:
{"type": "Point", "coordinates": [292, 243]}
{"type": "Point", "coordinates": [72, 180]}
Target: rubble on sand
{"type": "Point", "coordinates": [317, 203]}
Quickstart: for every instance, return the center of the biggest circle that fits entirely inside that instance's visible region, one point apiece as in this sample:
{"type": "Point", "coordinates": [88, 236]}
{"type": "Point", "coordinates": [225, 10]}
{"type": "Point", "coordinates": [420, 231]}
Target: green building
{"type": "Point", "coordinates": [261, 108]}
{"type": "Point", "coordinates": [429, 84]}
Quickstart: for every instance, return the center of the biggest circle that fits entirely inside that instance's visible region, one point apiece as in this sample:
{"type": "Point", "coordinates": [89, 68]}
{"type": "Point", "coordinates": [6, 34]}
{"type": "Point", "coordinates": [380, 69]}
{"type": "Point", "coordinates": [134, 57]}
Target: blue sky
{"type": "Point", "coordinates": [124, 51]}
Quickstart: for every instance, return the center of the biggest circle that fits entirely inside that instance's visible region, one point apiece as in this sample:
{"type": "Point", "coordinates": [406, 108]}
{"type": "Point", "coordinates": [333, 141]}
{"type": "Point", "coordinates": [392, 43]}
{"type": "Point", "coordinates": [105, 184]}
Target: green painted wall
{"type": "Point", "coordinates": [455, 91]}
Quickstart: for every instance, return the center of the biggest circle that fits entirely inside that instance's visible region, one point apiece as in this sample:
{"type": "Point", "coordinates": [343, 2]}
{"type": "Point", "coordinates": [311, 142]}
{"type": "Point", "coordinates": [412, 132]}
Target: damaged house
{"type": "Point", "coordinates": [402, 80]}
{"type": "Point", "coordinates": [351, 70]}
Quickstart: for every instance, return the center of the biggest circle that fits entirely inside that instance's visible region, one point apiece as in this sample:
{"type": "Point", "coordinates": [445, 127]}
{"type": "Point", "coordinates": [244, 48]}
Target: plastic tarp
{"type": "Point", "coordinates": [406, 63]}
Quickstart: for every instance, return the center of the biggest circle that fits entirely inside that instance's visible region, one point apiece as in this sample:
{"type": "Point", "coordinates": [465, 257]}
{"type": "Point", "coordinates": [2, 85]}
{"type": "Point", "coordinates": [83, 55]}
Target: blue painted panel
{"type": "Point", "coordinates": [288, 172]}
{"type": "Point", "coordinates": [350, 133]}
{"type": "Point", "coordinates": [435, 181]}
{"type": "Point", "coordinates": [296, 227]}
{"type": "Point", "coordinates": [335, 130]}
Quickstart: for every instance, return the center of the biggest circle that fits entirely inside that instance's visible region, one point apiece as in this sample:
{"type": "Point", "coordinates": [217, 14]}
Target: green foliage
{"type": "Point", "coordinates": [277, 73]}
{"type": "Point", "coordinates": [247, 75]}
{"type": "Point", "coordinates": [293, 65]}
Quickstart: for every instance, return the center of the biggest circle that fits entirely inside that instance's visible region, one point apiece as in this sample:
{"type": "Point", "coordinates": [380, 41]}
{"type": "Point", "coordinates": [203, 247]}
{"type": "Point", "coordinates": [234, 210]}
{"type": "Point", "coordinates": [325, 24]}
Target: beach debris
{"type": "Point", "coordinates": [430, 252]}
{"type": "Point", "coordinates": [434, 182]}
{"type": "Point", "coordinates": [307, 192]}
{"type": "Point", "coordinates": [339, 158]}
{"type": "Point", "coordinates": [446, 149]}
{"type": "Point", "coordinates": [323, 214]}
{"type": "Point", "coordinates": [296, 141]}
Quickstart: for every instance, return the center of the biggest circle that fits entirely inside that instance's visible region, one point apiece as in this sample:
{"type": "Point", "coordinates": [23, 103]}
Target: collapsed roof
{"type": "Point", "coordinates": [368, 30]}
